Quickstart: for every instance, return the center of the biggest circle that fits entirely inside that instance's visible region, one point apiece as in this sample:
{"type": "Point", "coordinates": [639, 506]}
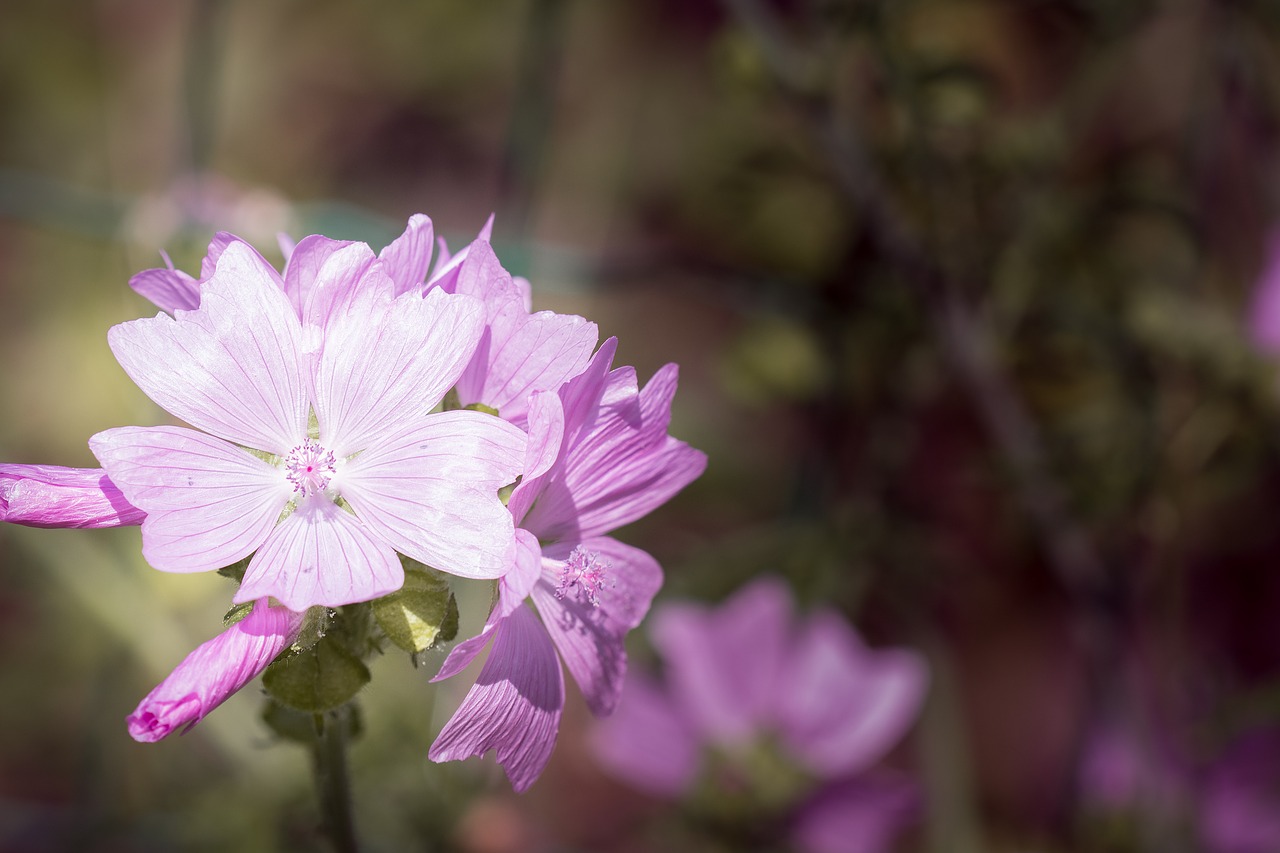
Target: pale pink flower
{"type": "Point", "coordinates": [249, 367]}
{"type": "Point", "coordinates": [599, 457]}
{"type": "Point", "coordinates": [53, 496]}
{"type": "Point", "coordinates": [214, 671]}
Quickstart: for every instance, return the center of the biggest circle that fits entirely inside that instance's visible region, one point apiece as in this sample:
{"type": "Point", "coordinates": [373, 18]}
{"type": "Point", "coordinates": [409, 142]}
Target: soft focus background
{"type": "Point", "coordinates": [961, 295]}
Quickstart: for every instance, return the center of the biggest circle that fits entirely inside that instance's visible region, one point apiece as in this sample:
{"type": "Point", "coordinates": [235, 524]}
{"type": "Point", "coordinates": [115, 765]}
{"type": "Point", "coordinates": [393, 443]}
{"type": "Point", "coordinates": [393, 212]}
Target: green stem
{"type": "Point", "coordinates": [332, 781]}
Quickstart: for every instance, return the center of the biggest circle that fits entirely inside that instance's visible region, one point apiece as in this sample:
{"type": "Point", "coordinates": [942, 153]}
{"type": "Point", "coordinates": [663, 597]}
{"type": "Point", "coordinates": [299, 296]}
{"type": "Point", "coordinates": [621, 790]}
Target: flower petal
{"type": "Point", "coordinates": [618, 463]}
{"type": "Point", "coordinates": [407, 258]}
{"type": "Point", "coordinates": [53, 496]}
{"type": "Point", "coordinates": [860, 816]}
{"type": "Point", "coordinates": [321, 555]}
{"type": "Point", "coordinates": [591, 638]}
{"type": "Point", "coordinates": [387, 363]}
{"type": "Point", "coordinates": [724, 664]}
{"type": "Point", "coordinates": [213, 672]}
{"type": "Point", "coordinates": [514, 706]}
{"type": "Point", "coordinates": [208, 502]}
{"type": "Point", "coordinates": [519, 353]}
{"type": "Point", "coordinates": [231, 366]}
{"type": "Point", "coordinates": [647, 742]}
{"type": "Point", "coordinates": [546, 435]}
{"type": "Point", "coordinates": [168, 289]}
{"type": "Point", "coordinates": [448, 267]}
{"type": "Point", "coordinates": [431, 491]}
{"type": "Point", "coordinates": [513, 589]}
{"type": "Point", "coordinates": [841, 705]}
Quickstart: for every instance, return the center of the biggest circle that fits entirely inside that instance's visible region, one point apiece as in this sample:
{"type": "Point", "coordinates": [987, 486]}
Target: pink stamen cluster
{"type": "Point", "coordinates": [309, 467]}
{"type": "Point", "coordinates": [586, 573]}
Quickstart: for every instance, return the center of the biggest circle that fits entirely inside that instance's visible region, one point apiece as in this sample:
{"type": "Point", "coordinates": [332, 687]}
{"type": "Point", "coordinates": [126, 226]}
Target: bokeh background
{"type": "Point", "coordinates": [961, 294]}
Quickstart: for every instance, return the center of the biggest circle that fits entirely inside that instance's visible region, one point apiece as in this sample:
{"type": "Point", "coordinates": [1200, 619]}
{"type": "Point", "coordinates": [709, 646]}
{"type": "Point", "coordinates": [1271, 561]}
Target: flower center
{"type": "Point", "coordinates": [309, 466]}
{"type": "Point", "coordinates": [584, 575]}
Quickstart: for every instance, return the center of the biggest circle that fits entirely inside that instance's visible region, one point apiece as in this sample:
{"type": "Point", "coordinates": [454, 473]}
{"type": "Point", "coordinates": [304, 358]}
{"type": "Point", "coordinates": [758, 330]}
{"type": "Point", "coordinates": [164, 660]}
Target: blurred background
{"type": "Point", "coordinates": [970, 305]}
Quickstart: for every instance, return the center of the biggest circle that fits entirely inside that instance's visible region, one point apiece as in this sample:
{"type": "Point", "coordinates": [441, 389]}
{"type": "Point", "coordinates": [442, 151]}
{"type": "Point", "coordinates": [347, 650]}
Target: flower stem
{"type": "Point", "coordinates": [332, 782]}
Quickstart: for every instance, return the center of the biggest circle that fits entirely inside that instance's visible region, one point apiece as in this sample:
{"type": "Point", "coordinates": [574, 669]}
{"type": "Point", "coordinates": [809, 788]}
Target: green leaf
{"type": "Point", "coordinates": [303, 726]}
{"type": "Point", "coordinates": [236, 613]}
{"type": "Point", "coordinates": [421, 613]}
{"type": "Point", "coordinates": [322, 677]}
{"type": "Point", "coordinates": [236, 570]}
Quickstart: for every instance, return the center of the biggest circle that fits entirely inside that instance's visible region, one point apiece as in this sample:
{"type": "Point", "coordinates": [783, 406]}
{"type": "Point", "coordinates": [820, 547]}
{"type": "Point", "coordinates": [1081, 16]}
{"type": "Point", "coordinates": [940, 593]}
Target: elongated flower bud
{"type": "Point", "coordinates": [214, 671]}
{"type": "Point", "coordinates": [53, 496]}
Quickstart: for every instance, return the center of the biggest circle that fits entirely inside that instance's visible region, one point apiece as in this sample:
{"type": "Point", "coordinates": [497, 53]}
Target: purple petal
{"type": "Point", "coordinates": [724, 664]}
{"type": "Point", "coordinates": [208, 502]}
{"type": "Point", "coordinates": [842, 706]}
{"type": "Point", "coordinates": [514, 706]}
{"type": "Point", "coordinates": [168, 289]}
{"type": "Point", "coordinates": [546, 435]}
{"type": "Point", "coordinates": [408, 257]}
{"type": "Point", "coordinates": [305, 262]}
{"type": "Point", "coordinates": [321, 555]}
{"type": "Point", "coordinates": [513, 588]}
{"type": "Point", "coordinates": [219, 244]}
{"type": "Point", "coordinates": [647, 741]}
{"type": "Point", "coordinates": [387, 363]}
{"type": "Point", "coordinates": [863, 816]}
{"type": "Point", "coordinates": [591, 637]}
{"type": "Point", "coordinates": [445, 275]}
{"type": "Point", "coordinates": [618, 463]}
{"type": "Point", "coordinates": [431, 491]}
{"type": "Point", "coordinates": [520, 352]}
{"type": "Point", "coordinates": [231, 367]}
{"type": "Point", "coordinates": [213, 672]}
{"type": "Point", "coordinates": [324, 276]}
{"type": "Point", "coordinates": [53, 496]}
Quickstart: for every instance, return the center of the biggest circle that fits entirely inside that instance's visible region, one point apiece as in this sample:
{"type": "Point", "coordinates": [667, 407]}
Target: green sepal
{"type": "Point", "coordinates": [504, 494]}
{"type": "Point", "coordinates": [236, 570]}
{"type": "Point", "coordinates": [451, 401]}
{"type": "Point", "coordinates": [422, 613]}
{"type": "Point", "coordinates": [480, 407]}
{"type": "Point", "coordinates": [237, 613]}
{"type": "Point", "coordinates": [318, 679]}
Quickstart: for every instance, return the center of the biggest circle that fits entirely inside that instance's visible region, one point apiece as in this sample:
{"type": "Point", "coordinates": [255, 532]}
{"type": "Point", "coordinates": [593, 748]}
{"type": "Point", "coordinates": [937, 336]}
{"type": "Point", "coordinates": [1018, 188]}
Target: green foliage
{"type": "Point", "coordinates": [422, 613]}
{"type": "Point", "coordinates": [318, 679]}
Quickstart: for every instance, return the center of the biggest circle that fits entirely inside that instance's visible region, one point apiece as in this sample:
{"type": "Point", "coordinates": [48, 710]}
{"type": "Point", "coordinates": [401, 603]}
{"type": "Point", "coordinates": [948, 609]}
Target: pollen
{"type": "Point", "coordinates": [583, 576]}
{"type": "Point", "coordinates": [309, 467]}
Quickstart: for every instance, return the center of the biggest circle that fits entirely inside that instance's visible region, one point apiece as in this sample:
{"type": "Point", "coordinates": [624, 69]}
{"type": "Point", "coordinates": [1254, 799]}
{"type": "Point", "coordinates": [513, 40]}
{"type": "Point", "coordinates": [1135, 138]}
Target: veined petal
{"type": "Point", "coordinates": [448, 267]}
{"type": "Point", "coordinates": [213, 672]}
{"type": "Point", "coordinates": [591, 638]}
{"type": "Point", "coordinates": [724, 664]}
{"type": "Point", "coordinates": [407, 258]}
{"type": "Point", "coordinates": [618, 464]}
{"type": "Point", "coordinates": [168, 289]}
{"type": "Point", "coordinates": [514, 706]}
{"type": "Point", "coordinates": [325, 276]}
{"type": "Point", "coordinates": [431, 491]}
{"type": "Point", "coordinates": [230, 367]}
{"type": "Point", "coordinates": [389, 362]}
{"type": "Point", "coordinates": [647, 742]}
{"type": "Point", "coordinates": [842, 706]}
{"type": "Point", "coordinates": [305, 262]}
{"type": "Point", "coordinates": [546, 436]}
{"type": "Point", "coordinates": [519, 352]}
{"type": "Point", "coordinates": [53, 496]}
{"type": "Point", "coordinates": [321, 555]}
{"type": "Point", "coordinates": [208, 502]}
{"type": "Point", "coordinates": [513, 588]}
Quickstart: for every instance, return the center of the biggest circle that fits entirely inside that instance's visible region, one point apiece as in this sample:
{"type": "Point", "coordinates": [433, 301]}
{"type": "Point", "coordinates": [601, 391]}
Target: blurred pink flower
{"type": "Point", "coordinates": [250, 366]}
{"type": "Point", "coordinates": [1264, 312]}
{"type": "Point", "coordinates": [599, 457]}
{"type": "Point", "coordinates": [746, 674]}
{"type": "Point", "coordinates": [53, 496]}
{"type": "Point", "coordinates": [214, 671]}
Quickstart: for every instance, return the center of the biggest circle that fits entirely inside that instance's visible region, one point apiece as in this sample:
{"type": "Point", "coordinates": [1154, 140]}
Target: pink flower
{"type": "Point", "coordinates": [745, 675]}
{"type": "Point", "coordinates": [599, 457]}
{"type": "Point", "coordinates": [250, 367]}
{"type": "Point", "coordinates": [1264, 313]}
{"type": "Point", "coordinates": [53, 496]}
{"type": "Point", "coordinates": [214, 671]}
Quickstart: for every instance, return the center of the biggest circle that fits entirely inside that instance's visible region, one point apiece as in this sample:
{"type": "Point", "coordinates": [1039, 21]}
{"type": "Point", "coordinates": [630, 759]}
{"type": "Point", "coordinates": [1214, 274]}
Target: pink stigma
{"type": "Point", "coordinates": [584, 574]}
{"type": "Point", "coordinates": [309, 467]}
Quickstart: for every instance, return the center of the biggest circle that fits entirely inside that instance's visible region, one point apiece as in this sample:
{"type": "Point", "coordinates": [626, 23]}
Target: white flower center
{"type": "Point", "coordinates": [309, 466]}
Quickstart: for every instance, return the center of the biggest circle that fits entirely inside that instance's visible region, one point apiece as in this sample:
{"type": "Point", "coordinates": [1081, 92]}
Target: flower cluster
{"type": "Point", "coordinates": [766, 720]}
{"type": "Point", "coordinates": [355, 419]}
